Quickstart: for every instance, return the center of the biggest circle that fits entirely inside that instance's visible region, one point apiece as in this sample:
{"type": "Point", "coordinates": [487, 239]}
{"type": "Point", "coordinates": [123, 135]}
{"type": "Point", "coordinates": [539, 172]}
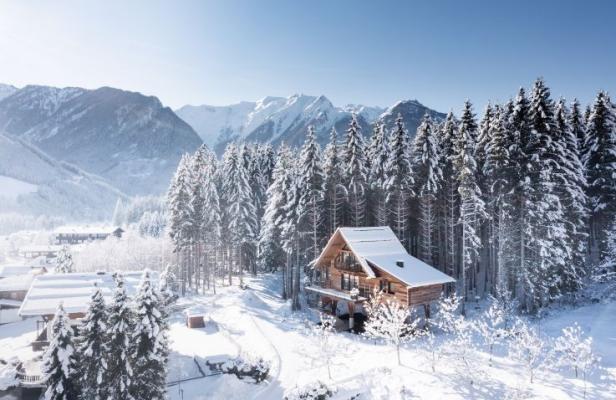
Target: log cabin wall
{"type": "Point", "coordinates": [424, 294]}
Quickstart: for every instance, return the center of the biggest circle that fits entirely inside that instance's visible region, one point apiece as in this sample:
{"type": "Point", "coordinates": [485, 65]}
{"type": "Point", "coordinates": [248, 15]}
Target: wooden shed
{"type": "Point", "coordinates": [358, 261]}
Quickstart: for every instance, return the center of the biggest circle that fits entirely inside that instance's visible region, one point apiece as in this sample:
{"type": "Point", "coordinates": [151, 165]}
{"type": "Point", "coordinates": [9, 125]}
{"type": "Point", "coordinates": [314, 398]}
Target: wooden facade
{"type": "Point", "coordinates": [344, 275]}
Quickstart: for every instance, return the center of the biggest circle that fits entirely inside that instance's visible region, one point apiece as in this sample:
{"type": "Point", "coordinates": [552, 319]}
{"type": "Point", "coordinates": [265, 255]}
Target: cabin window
{"type": "Point", "coordinates": [348, 281]}
{"type": "Point", "coordinates": [386, 286]}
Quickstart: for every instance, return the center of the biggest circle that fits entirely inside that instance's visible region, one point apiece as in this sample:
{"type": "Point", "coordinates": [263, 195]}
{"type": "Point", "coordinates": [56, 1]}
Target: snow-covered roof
{"type": "Point", "coordinates": [16, 269]}
{"type": "Point", "coordinates": [40, 248]}
{"type": "Point", "coordinates": [378, 247]}
{"type": "Point", "coordinates": [85, 229]}
{"type": "Point", "coordinates": [74, 291]}
{"type": "Point", "coordinates": [16, 283]}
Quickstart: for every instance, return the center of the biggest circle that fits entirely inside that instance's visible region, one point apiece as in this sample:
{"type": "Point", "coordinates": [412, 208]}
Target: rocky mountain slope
{"type": "Point", "coordinates": [31, 182]}
{"type": "Point", "coordinates": [278, 119]}
{"type": "Point", "coordinates": [129, 139]}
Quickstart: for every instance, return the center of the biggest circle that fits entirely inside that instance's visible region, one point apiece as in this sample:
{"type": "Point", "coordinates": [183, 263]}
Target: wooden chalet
{"type": "Point", "coordinates": [356, 262]}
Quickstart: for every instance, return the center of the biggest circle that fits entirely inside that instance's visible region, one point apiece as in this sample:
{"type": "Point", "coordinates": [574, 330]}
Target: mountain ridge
{"type": "Point", "coordinates": [275, 119]}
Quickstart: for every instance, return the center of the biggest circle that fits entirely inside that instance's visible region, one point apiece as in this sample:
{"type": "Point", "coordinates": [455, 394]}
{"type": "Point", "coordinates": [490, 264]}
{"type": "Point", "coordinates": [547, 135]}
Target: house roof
{"type": "Point", "coordinates": [73, 290]}
{"type": "Point", "coordinates": [16, 282]}
{"type": "Point", "coordinates": [378, 247]}
{"type": "Point", "coordinates": [9, 270]}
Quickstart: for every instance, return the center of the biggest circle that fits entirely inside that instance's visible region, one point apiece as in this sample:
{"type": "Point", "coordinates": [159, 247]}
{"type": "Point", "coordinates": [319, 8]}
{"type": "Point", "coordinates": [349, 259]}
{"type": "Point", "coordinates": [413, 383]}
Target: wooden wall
{"type": "Point", "coordinates": [424, 294]}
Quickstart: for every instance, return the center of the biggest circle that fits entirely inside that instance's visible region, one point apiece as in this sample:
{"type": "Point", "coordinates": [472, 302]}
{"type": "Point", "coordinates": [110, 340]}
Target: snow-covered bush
{"type": "Point", "coordinates": [526, 347]}
{"type": "Point", "coordinates": [323, 333]}
{"type": "Point", "coordinates": [245, 368]}
{"type": "Point", "coordinates": [313, 391]}
{"type": "Point", "coordinates": [448, 318]}
{"type": "Point", "coordinates": [491, 324]}
{"type": "Point", "coordinates": [571, 350]}
{"type": "Point", "coordinates": [8, 374]}
{"type": "Point", "coordinates": [392, 322]}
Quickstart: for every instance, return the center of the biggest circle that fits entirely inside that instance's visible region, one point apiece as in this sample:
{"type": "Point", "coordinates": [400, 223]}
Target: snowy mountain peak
{"type": "Point", "coordinates": [277, 119]}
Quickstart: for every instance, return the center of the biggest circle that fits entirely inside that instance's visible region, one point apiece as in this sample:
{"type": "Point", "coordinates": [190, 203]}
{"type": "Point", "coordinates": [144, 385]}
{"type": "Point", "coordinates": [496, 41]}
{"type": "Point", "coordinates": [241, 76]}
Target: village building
{"type": "Point", "coordinates": [79, 235]}
{"type": "Point", "coordinates": [74, 291]}
{"type": "Point", "coordinates": [15, 282]}
{"type": "Point", "coordinates": [357, 262]}
{"type": "Point", "coordinates": [36, 251]}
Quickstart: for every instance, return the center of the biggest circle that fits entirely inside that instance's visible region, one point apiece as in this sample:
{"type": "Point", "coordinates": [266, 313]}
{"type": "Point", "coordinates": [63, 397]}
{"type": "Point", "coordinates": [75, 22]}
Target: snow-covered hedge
{"type": "Point", "coordinates": [243, 368]}
{"type": "Point", "coordinates": [8, 374]}
{"type": "Point", "coordinates": [313, 391]}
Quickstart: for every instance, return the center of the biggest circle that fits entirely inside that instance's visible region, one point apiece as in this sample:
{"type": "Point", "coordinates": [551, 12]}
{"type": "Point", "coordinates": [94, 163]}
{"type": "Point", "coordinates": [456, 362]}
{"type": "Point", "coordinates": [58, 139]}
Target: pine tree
{"type": "Point", "coordinates": [399, 183]}
{"type": "Point", "coordinates": [93, 348]}
{"type": "Point", "coordinates": [601, 165]}
{"type": "Point", "coordinates": [335, 192]}
{"type": "Point", "coordinates": [577, 124]}
{"type": "Point", "coordinates": [119, 214]}
{"type": "Point", "coordinates": [59, 369]}
{"type": "Point", "coordinates": [212, 217]}
{"type": "Point", "coordinates": [355, 175]}
{"type": "Point", "coordinates": [472, 208]}
{"type": "Point", "coordinates": [242, 212]}
{"type": "Point", "coordinates": [118, 376]}
{"type": "Point", "coordinates": [64, 261]}
{"type": "Point", "coordinates": [497, 171]}
{"type": "Point", "coordinates": [149, 340]}
{"type": "Point", "coordinates": [378, 153]}
{"type": "Point", "coordinates": [311, 186]}
{"type": "Point", "coordinates": [448, 197]}
{"type": "Point", "coordinates": [271, 254]}
{"type": "Point", "coordinates": [428, 181]}
{"type": "Point", "coordinates": [546, 242]}
{"type": "Point", "coordinates": [571, 191]}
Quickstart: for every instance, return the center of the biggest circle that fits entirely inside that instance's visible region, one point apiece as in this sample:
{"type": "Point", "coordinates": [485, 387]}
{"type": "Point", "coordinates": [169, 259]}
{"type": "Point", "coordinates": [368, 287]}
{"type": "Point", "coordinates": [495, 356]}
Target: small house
{"type": "Point", "coordinates": [35, 251]}
{"type": "Point", "coordinates": [356, 262]}
{"type": "Point", "coordinates": [74, 291]}
{"type": "Point", "coordinates": [73, 235]}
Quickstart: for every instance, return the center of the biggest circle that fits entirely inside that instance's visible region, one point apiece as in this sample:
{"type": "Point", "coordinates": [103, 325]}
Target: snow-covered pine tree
{"type": "Point", "coordinates": [64, 261]}
{"type": "Point", "coordinates": [178, 200]}
{"type": "Point", "coordinates": [546, 248]}
{"type": "Point", "coordinates": [399, 182]}
{"type": "Point", "coordinates": [212, 219]}
{"type": "Point", "coordinates": [428, 180]}
{"type": "Point", "coordinates": [497, 172]}
{"type": "Point", "coordinates": [311, 208]}
{"type": "Point", "coordinates": [58, 368]}
{"type": "Point", "coordinates": [149, 341]}
{"type": "Point", "coordinates": [577, 124]}
{"type": "Point", "coordinates": [195, 218]}
{"type": "Point", "coordinates": [472, 208]}
{"type": "Point", "coordinates": [271, 256]}
{"type": "Point", "coordinates": [93, 349]}
{"type": "Point", "coordinates": [242, 212]}
{"type": "Point", "coordinates": [290, 234]}
{"type": "Point", "coordinates": [355, 175]}
{"type": "Point", "coordinates": [448, 195]}
{"type": "Point", "coordinates": [571, 189]}
{"type": "Point", "coordinates": [378, 153]}
{"type": "Point", "coordinates": [335, 192]}
{"type": "Point", "coordinates": [119, 214]}
{"type": "Point", "coordinates": [118, 376]}
{"type": "Point", "coordinates": [601, 166]}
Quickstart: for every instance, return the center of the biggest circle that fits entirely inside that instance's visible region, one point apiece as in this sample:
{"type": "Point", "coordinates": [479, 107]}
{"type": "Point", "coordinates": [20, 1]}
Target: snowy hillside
{"type": "Point", "coordinates": [277, 119]}
{"type": "Point", "coordinates": [6, 90]}
{"type": "Point", "coordinates": [128, 138]}
{"type": "Point", "coordinates": [33, 183]}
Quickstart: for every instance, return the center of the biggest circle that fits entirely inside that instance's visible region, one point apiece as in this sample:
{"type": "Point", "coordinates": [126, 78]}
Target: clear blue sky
{"type": "Point", "coordinates": [377, 52]}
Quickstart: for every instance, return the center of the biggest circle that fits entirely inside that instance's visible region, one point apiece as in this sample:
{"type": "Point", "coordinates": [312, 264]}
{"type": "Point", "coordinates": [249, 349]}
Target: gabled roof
{"type": "Point", "coordinates": [74, 291]}
{"type": "Point", "coordinates": [378, 247]}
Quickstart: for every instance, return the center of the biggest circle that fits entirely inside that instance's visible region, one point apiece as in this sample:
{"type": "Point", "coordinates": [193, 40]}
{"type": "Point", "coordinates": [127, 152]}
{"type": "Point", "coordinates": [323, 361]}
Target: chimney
{"type": "Point", "coordinates": [400, 263]}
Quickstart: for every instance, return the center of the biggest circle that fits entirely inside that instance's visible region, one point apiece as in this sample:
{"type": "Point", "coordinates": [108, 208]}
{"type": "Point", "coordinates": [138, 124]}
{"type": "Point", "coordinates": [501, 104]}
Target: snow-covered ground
{"type": "Point", "coordinates": [256, 323]}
